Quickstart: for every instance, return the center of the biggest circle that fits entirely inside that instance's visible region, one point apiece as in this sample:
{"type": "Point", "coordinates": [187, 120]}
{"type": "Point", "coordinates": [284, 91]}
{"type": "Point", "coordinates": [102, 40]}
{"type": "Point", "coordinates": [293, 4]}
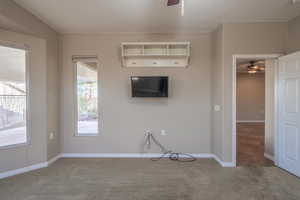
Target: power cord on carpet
{"type": "Point", "coordinates": [174, 156]}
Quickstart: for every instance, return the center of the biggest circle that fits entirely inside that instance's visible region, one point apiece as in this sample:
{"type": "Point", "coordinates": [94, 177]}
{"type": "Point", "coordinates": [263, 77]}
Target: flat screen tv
{"type": "Point", "coordinates": [149, 86]}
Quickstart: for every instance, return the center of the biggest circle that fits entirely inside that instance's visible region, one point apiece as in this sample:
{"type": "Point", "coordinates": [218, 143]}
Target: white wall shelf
{"type": "Point", "coordinates": [155, 54]}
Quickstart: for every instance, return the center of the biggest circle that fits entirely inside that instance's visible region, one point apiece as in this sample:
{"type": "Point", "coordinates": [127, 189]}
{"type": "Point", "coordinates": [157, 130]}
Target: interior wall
{"type": "Point", "coordinates": [15, 18]}
{"type": "Point", "coordinates": [293, 43]}
{"type": "Point", "coordinates": [252, 38]}
{"type": "Point", "coordinates": [235, 39]}
{"type": "Point", "coordinates": [185, 115]}
{"type": "Point", "coordinates": [36, 151]}
{"type": "Point", "coordinates": [217, 92]}
{"type": "Point", "coordinates": [250, 94]}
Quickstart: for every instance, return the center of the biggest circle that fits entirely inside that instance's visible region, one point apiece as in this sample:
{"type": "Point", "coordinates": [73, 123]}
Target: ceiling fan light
{"type": "Point", "coordinates": [252, 71]}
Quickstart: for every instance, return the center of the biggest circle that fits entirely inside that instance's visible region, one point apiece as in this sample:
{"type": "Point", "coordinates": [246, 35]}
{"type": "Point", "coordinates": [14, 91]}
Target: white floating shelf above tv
{"type": "Point", "coordinates": [155, 54]}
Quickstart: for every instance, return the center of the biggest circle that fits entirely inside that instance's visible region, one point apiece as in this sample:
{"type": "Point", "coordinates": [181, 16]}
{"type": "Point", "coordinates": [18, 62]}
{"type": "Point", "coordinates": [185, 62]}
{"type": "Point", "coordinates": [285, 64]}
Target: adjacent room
{"type": "Point", "coordinates": [251, 108]}
{"type": "Point", "coordinates": [149, 99]}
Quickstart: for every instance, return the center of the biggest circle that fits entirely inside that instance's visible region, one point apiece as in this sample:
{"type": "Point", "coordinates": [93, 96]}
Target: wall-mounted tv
{"type": "Point", "coordinates": [149, 86]}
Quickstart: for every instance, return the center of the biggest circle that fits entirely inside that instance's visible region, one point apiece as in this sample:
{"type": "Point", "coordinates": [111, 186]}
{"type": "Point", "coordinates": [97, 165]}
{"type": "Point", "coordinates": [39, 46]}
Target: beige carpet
{"type": "Point", "coordinates": [141, 179]}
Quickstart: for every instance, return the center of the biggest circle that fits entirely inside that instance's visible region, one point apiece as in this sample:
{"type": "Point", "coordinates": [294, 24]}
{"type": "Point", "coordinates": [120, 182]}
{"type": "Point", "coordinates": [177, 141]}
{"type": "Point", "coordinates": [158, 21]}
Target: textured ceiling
{"type": "Point", "coordinates": [96, 16]}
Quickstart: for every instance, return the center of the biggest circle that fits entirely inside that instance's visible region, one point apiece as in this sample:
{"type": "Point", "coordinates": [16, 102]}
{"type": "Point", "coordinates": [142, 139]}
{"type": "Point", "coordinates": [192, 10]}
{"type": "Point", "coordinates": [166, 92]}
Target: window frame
{"type": "Point", "coordinates": [75, 97]}
{"type": "Point", "coordinates": [28, 93]}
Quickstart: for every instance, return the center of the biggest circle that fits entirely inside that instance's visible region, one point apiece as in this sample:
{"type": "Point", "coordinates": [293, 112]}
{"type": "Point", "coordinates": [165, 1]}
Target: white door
{"type": "Point", "coordinates": [289, 113]}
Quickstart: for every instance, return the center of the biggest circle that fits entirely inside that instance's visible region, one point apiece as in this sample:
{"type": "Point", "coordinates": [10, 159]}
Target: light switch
{"type": "Point", "coordinates": [51, 136]}
{"type": "Point", "coordinates": [217, 108]}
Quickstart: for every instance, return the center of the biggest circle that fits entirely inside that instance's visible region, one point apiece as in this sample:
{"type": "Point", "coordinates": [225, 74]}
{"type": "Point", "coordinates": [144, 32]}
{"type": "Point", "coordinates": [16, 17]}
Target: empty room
{"type": "Point", "coordinates": [149, 99]}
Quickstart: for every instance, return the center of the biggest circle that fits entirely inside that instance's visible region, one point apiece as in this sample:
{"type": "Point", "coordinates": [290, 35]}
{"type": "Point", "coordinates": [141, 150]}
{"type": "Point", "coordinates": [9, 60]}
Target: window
{"type": "Point", "coordinates": [13, 97]}
{"type": "Point", "coordinates": [87, 98]}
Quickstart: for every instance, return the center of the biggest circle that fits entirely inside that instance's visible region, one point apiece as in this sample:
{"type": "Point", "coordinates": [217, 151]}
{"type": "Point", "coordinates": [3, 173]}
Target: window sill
{"type": "Point", "coordinates": [14, 146]}
{"type": "Point", "coordinates": [87, 135]}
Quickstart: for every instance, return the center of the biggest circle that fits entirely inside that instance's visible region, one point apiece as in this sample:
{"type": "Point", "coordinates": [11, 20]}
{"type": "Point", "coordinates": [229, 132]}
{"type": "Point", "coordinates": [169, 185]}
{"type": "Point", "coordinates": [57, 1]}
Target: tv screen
{"type": "Point", "coordinates": [149, 86]}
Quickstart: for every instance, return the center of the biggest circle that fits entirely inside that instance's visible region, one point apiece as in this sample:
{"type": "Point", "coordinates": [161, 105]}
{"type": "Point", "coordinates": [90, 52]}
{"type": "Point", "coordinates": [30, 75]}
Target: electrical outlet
{"type": "Point", "coordinates": [163, 132]}
{"type": "Point", "coordinates": [51, 136]}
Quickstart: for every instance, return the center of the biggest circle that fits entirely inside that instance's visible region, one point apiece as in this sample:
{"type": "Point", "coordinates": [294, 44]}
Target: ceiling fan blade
{"type": "Point", "coordinates": [173, 2]}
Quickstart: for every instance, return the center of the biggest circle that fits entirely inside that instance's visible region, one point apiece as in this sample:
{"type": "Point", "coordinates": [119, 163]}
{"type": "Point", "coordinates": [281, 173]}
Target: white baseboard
{"type": "Point", "coordinates": [29, 168]}
{"type": "Point", "coordinates": [124, 155]}
{"type": "Point", "coordinates": [22, 170]}
{"type": "Point", "coordinates": [52, 160]}
{"type": "Point", "coordinates": [137, 155]}
{"type": "Point", "coordinates": [224, 164]}
{"type": "Point", "coordinates": [102, 155]}
{"type": "Point", "coordinates": [269, 156]}
{"type": "Point", "coordinates": [250, 121]}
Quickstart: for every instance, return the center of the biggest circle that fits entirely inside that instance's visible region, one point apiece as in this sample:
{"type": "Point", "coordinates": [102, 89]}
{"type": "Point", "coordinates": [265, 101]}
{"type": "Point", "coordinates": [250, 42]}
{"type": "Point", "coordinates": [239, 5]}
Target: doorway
{"type": "Point", "coordinates": [254, 109]}
{"type": "Point", "coordinates": [250, 113]}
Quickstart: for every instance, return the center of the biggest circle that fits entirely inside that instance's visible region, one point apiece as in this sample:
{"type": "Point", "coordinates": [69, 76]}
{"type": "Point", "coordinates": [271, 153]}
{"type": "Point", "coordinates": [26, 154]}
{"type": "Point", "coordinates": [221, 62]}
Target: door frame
{"type": "Point", "coordinates": [234, 84]}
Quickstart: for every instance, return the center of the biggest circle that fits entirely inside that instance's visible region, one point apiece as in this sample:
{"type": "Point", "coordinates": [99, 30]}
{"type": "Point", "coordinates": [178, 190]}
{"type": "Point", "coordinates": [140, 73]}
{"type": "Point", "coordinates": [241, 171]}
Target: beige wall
{"type": "Point", "coordinates": [193, 93]}
{"type": "Point", "coordinates": [250, 94]}
{"type": "Point", "coordinates": [217, 92]}
{"type": "Point", "coordinates": [36, 151]}
{"type": "Point", "coordinates": [185, 115]}
{"type": "Point", "coordinates": [293, 44]}
{"type": "Point", "coordinates": [15, 18]}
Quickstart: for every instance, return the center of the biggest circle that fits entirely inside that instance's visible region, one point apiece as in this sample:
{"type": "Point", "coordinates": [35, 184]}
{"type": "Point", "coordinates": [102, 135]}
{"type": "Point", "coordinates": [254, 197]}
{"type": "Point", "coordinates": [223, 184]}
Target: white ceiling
{"type": "Point", "coordinates": [96, 16]}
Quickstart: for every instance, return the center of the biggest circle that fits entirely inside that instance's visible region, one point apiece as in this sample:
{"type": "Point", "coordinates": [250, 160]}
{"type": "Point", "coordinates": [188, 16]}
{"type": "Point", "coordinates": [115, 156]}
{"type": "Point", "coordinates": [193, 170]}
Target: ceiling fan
{"type": "Point", "coordinates": [255, 66]}
{"type": "Point", "coordinates": [177, 2]}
